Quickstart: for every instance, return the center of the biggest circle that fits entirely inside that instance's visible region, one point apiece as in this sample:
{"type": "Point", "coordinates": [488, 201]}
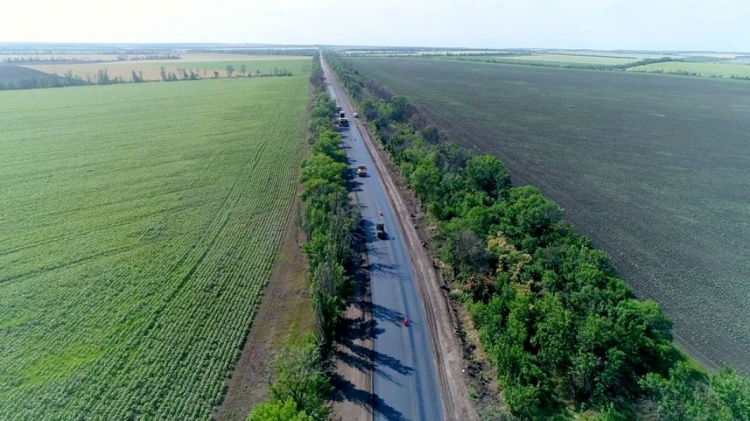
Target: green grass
{"type": "Point", "coordinates": [139, 227]}
{"type": "Point", "coordinates": [297, 67]}
{"type": "Point", "coordinates": [718, 69]}
{"type": "Point", "coordinates": [654, 168]}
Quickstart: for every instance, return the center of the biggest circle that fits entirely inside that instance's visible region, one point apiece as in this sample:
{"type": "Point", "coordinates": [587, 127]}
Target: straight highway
{"type": "Point", "coordinates": [404, 384]}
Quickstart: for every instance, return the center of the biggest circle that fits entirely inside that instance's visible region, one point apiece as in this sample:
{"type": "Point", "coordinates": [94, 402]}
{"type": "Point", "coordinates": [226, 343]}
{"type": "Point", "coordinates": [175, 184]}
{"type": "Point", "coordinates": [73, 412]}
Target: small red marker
{"type": "Point", "coordinates": [381, 213]}
{"type": "Point", "coordinates": [406, 322]}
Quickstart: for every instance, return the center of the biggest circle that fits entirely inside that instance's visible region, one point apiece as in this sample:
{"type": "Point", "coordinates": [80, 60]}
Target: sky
{"type": "Point", "coordinates": [720, 25]}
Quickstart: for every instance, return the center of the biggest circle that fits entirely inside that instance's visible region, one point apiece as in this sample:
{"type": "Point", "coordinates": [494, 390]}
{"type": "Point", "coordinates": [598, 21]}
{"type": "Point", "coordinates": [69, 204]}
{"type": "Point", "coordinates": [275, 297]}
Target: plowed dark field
{"type": "Point", "coordinates": [656, 169]}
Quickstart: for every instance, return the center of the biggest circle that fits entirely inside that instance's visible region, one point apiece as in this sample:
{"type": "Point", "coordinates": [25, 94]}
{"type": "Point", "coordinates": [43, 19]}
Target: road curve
{"type": "Point", "coordinates": [405, 385]}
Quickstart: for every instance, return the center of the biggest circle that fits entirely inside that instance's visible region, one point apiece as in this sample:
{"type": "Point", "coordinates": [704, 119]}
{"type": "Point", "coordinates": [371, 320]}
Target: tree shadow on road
{"type": "Point", "coordinates": [363, 358]}
{"type": "Point", "coordinates": [345, 390]}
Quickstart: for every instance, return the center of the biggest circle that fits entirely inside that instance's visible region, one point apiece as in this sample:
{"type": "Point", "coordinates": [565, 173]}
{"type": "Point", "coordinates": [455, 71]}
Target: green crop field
{"type": "Point", "coordinates": [138, 229]}
{"type": "Point", "coordinates": [654, 168]}
{"type": "Point", "coordinates": [716, 69]}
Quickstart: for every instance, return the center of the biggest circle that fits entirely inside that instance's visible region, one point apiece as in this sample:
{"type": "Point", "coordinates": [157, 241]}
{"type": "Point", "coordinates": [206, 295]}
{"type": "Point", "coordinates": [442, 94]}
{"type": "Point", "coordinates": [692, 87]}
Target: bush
{"type": "Point", "coordinates": [278, 411]}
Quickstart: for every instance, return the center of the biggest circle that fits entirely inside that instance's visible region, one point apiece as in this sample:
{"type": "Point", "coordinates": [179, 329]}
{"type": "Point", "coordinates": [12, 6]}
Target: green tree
{"type": "Point", "coordinates": [243, 69]}
{"type": "Point", "coordinates": [431, 134]}
{"type": "Point", "coordinates": [425, 180]}
{"type": "Point", "coordinates": [488, 174]}
{"type": "Point", "coordinates": [298, 377]}
{"type": "Point", "coordinates": [278, 411]}
{"type": "Point", "coordinates": [401, 108]}
{"type": "Point", "coordinates": [230, 70]}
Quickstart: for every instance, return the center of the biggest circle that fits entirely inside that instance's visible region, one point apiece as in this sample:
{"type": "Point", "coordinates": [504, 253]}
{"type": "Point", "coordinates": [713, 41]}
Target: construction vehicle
{"type": "Point", "coordinates": [362, 171]}
{"type": "Point", "coordinates": [380, 231]}
{"type": "Point", "coordinates": [343, 122]}
{"type": "Point", "coordinates": [342, 114]}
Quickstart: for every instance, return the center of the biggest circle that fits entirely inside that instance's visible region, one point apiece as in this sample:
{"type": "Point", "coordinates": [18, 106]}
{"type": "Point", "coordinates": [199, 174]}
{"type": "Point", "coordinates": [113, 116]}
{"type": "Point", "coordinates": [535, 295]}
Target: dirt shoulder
{"type": "Point", "coordinates": [283, 316]}
{"type": "Point", "coordinates": [353, 362]}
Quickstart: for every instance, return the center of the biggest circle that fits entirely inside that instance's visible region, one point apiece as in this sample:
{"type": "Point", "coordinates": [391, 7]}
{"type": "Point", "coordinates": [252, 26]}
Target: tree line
{"type": "Point", "coordinates": [61, 59]}
{"type": "Point", "coordinates": [102, 77]}
{"type": "Point", "coordinates": [581, 66]}
{"type": "Point", "coordinates": [554, 319]}
{"type": "Point", "coordinates": [331, 222]}
{"type": "Point", "coordinates": [136, 57]}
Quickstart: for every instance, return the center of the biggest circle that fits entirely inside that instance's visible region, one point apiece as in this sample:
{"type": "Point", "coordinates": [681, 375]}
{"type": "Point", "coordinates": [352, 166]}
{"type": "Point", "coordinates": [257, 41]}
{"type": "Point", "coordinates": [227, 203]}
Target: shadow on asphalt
{"type": "Point", "coordinates": [362, 358]}
{"type": "Point", "coordinates": [354, 353]}
{"type": "Point", "coordinates": [347, 391]}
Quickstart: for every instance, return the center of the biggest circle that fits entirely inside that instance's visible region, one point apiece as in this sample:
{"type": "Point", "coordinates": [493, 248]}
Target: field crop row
{"type": "Point", "coordinates": [653, 168]}
{"type": "Point", "coordinates": [139, 229]}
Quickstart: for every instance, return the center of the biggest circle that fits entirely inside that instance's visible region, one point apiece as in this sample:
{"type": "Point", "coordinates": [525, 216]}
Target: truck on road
{"type": "Point", "coordinates": [362, 171]}
{"type": "Point", "coordinates": [343, 122]}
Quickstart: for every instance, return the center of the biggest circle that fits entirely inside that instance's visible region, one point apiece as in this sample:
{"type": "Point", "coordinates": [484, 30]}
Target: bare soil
{"type": "Point", "coordinates": [284, 316]}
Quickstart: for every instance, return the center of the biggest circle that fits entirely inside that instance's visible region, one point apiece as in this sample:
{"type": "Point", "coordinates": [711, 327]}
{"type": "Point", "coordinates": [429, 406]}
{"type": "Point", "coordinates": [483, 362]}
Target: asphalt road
{"type": "Point", "coordinates": [405, 385]}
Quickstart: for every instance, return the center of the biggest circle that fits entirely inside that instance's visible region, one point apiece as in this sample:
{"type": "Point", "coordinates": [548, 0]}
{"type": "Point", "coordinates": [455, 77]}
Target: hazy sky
{"type": "Point", "coordinates": [595, 24]}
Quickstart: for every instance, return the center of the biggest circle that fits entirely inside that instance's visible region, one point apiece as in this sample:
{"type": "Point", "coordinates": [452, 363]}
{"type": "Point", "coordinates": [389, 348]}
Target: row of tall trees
{"type": "Point", "coordinates": [102, 77]}
{"type": "Point", "coordinates": [135, 57]}
{"type": "Point", "coordinates": [244, 73]}
{"type": "Point", "coordinates": [553, 317]}
{"type": "Point", "coordinates": [331, 222]}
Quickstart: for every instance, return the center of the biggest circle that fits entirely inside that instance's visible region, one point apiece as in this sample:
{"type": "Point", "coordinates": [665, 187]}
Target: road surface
{"type": "Point", "coordinates": [405, 385]}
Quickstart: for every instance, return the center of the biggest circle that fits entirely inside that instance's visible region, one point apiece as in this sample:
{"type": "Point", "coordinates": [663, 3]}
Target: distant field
{"type": "Point", "coordinates": [138, 228]}
{"type": "Point", "coordinates": [653, 168]}
{"type": "Point", "coordinates": [87, 57]}
{"type": "Point", "coordinates": [718, 69]}
{"type": "Point", "coordinates": [151, 69]}
{"type": "Point", "coordinates": [561, 59]}
{"type": "Point", "coordinates": [10, 72]}
{"type": "Point", "coordinates": [638, 56]}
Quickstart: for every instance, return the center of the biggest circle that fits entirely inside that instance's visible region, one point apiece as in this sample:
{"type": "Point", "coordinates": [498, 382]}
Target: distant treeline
{"type": "Point", "coordinates": [508, 59]}
{"type": "Point", "coordinates": [134, 57]}
{"type": "Point", "coordinates": [553, 317]}
{"type": "Point", "coordinates": [584, 66]}
{"type": "Point", "coordinates": [260, 51]}
{"type": "Point", "coordinates": [85, 51]}
{"type": "Point", "coordinates": [230, 71]}
{"type": "Point", "coordinates": [102, 77]}
{"type": "Point", "coordinates": [679, 72]}
{"type": "Point", "coordinates": [301, 383]}
{"type": "Point", "coordinates": [60, 59]}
